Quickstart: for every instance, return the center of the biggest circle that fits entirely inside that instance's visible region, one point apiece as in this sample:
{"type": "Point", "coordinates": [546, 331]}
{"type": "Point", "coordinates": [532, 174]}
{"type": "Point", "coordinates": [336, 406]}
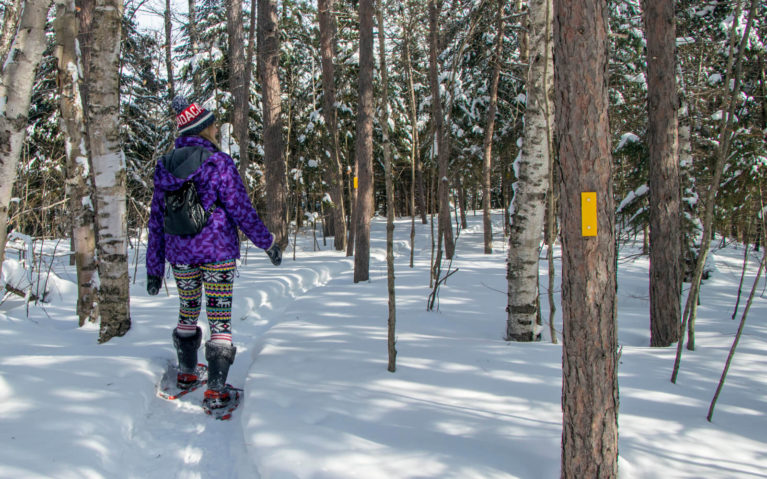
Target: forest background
{"type": "Point", "coordinates": [304, 144]}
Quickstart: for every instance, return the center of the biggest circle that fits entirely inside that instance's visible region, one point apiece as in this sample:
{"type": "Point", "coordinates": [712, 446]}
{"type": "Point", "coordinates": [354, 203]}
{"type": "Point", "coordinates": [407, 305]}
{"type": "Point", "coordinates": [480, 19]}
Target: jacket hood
{"type": "Point", "coordinates": [182, 163]}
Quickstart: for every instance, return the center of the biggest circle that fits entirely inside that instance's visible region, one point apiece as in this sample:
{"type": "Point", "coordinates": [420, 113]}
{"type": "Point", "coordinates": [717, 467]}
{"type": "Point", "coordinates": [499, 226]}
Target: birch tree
{"type": "Point", "coordinates": [589, 357]}
{"type": "Point", "coordinates": [11, 16]}
{"type": "Point", "coordinates": [364, 146]}
{"type": "Point", "coordinates": [16, 80]}
{"type": "Point", "coordinates": [528, 204]}
{"type": "Point", "coordinates": [327, 22]}
{"type": "Point", "coordinates": [665, 247]}
{"type": "Point", "coordinates": [78, 184]}
{"type": "Point", "coordinates": [108, 168]}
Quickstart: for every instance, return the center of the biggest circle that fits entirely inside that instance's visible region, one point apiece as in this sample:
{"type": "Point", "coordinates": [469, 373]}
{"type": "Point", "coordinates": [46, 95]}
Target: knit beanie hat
{"type": "Point", "coordinates": [191, 118]}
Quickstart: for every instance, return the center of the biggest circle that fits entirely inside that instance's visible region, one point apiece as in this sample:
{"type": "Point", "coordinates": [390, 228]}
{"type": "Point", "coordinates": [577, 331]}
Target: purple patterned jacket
{"type": "Point", "coordinates": [217, 179]}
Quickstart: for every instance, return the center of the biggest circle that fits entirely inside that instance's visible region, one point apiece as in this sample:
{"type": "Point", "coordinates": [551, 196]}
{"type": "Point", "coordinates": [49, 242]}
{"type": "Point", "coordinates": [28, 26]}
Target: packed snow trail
{"type": "Point", "coordinates": [262, 292]}
{"type": "Point", "coordinates": [111, 420]}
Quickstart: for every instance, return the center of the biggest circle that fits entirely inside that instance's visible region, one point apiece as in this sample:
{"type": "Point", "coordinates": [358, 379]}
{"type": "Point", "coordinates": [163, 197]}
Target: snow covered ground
{"type": "Point", "coordinates": [319, 402]}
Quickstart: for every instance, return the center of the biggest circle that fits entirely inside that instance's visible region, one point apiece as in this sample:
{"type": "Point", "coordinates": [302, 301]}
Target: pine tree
{"type": "Point", "coordinates": [364, 146]}
{"type": "Point", "coordinates": [665, 279]}
{"type": "Point", "coordinates": [589, 359]}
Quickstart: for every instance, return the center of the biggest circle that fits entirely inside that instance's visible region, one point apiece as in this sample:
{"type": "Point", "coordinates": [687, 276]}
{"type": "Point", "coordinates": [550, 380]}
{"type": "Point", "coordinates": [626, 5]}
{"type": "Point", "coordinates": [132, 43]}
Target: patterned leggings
{"type": "Point", "coordinates": [218, 280]}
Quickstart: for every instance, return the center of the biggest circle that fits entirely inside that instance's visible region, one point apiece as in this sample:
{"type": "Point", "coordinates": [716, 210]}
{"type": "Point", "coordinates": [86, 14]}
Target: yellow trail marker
{"type": "Point", "coordinates": [588, 213]}
{"type": "Point", "coordinates": [355, 182]}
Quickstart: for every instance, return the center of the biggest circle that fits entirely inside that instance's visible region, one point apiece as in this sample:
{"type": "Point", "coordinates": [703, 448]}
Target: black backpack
{"type": "Point", "coordinates": [184, 213]}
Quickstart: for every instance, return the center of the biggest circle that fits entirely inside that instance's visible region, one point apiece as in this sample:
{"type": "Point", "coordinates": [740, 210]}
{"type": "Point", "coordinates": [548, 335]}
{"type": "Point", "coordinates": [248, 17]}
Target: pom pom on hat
{"type": "Point", "coordinates": [191, 118]}
{"type": "Point", "coordinates": [179, 104]}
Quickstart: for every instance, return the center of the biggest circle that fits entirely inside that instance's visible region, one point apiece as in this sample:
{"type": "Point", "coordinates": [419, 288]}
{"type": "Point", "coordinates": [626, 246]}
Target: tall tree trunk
{"type": "Point", "coordinates": [589, 359]}
{"type": "Point", "coordinates": [392, 322]}
{"type": "Point", "coordinates": [417, 165]}
{"type": "Point", "coordinates": [11, 17]}
{"type": "Point", "coordinates": [251, 47]}
{"type": "Point", "coordinates": [194, 44]}
{"type": "Point", "coordinates": [529, 202]}
{"type": "Point", "coordinates": [443, 160]}
{"type": "Point", "coordinates": [169, 50]}
{"type": "Point", "coordinates": [276, 170]}
{"type": "Point", "coordinates": [487, 165]}
{"type": "Point", "coordinates": [364, 147]}
{"type": "Point", "coordinates": [462, 206]}
{"type": "Point", "coordinates": [665, 277]}
{"type": "Point", "coordinates": [763, 85]}
{"type": "Point", "coordinates": [85, 11]}
{"type": "Point", "coordinates": [733, 82]}
{"type": "Point", "coordinates": [414, 154]}
{"type": "Point", "coordinates": [16, 81]}
{"type": "Point", "coordinates": [108, 169]}
{"type": "Point", "coordinates": [238, 81]}
{"type": "Point", "coordinates": [327, 21]}
{"type": "Point", "coordinates": [352, 229]}
{"type": "Point", "coordinates": [78, 184]}
{"type": "Point", "coordinates": [244, 135]}
{"type": "Point", "coordinates": [688, 228]}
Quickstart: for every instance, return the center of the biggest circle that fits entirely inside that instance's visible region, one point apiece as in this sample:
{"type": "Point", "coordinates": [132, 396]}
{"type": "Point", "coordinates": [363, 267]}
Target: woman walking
{"type": "Point", "coordinates": [205, 260]}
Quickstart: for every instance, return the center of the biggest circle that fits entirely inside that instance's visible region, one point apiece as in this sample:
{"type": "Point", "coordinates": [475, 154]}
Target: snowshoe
{"type": "Point", "coordinates": [169, 389]}
{"type": "Point", "coordinates": [221, 404]}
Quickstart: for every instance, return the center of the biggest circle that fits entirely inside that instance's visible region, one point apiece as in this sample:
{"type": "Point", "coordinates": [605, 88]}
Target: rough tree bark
{"type": "Point", "coordinates": [364, 146]}
{"type": "Point", "coordinates": [108, 168]}
{"type": "Point", "coordinates": [688, 228]}
{"type": "Point", "coordinates": [193, 43]}
{"type": "Point", "coordinates": [16, 81]}
{"type": "Point", "coordinates": [276, 215]}
{"type": "Point", "coordinates": [529, 202]}
{"type": "Point", "coordinates": [665, 198]}
{"type": "Point", "coordinates": [238, 82]}
{"type": "Point", "coordinates": [79, 190]}
{"type": "Point", "coordinates": [327, 22]}
{"type": "Point", "coordinates": [445, 225]}
{"type": "Point", "coordinates": [416, 175]}
{"type": "Point", "coordinates": [392, 322]}
{"type": "Point", "coordinates": [169, 50]}
{"type": "Point", "coordinates": [418, 190]}
{"type": "Point", "coordinates": [487, 165]}
{"type": "Point", "coordinates": [589, 359]}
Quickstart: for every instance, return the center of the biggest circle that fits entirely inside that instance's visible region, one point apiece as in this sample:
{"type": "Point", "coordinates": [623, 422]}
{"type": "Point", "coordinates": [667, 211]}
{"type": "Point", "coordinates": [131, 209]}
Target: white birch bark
{"type": "Point", "coordinates": [16, 81]}
{"type": "Point", "coordinates": [108, 169]}
{"type": "Point", "coordinates": [532, 172]}
{"type": "Point", "coordinates": [11, 17]}
{"type": "Point", "coordinates": [78, 182]}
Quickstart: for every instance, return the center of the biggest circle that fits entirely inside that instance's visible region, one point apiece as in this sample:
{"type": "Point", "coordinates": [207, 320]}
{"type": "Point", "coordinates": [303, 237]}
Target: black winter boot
{"type": "Point", "coordinates": [220, 357]}
{"type": "Point", "coordinates": [186, 349]}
